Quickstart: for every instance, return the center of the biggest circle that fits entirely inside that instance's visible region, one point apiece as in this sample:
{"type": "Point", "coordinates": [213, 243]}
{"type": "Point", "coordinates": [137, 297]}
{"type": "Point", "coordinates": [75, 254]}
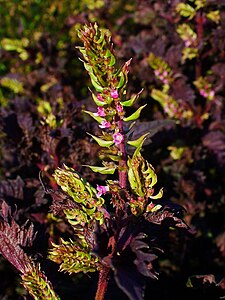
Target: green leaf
{"type": "Point", "coordinates": [189, 53]}
{"type": "Point", "coordinates": [97, 118]}
{"type": "Point", "coordinates": [214, 16]}
{"type": "Point", "coordinates": [112, 60]}
{"type": "Point", "coordinates": [135, 115]}
{"type": "Point", "coordinates": [186, 10]}
{"type": "Point", "coordinates": [122, 80]}
{"type": "Point", "coordinates": [137, 143]}
{"type": "Point", "coordinates": [102, 142]}
{"type": "Point", "coordinates": [95, 83]}
{"type": "Point", "coordinates": [97, 102]}
{"type": "Point", "coordinates": [131, 101]}
{"type": "Point", "coordinates": [157, 196]}
{"type": "Point", "coordinates": [155, 208]}
{"type": "Point", "coordinates": [102, 170]}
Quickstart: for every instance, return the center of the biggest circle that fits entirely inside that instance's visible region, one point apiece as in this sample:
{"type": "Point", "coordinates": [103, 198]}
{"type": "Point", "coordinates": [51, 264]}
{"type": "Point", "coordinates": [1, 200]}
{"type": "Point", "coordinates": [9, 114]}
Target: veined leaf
{"type": "Point", "coordinates": [139, 141]}
{"type": "Point", "coordinates": [97, 118]}
{"type": "Point", "coordinates": [102, 170]}
{"type": "Point", "coordinates": [135, 115]}
{"type": "Point", "coordinates": [101, 142]}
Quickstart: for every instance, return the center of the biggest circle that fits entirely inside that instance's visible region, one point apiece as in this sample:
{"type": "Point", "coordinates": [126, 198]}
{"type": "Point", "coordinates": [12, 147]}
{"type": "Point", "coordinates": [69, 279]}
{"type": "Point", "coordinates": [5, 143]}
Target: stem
{"type": "Point", "coordinates": [102, 283]}
{"type": "Point", "coordinates": [199, 25]}
{"type": "Point", "coordinates": [123, 162]}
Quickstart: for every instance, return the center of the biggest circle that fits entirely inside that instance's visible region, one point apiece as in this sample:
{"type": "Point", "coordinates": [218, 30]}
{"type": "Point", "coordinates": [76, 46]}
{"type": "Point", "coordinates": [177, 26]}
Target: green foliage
{"type": "Point", "coordinates": [141, 175]}
{"type": "Point", "coordinates": [12, 84]}
{"type": "Point", "coordinates": [83, 194]}
{"type": "Point", "coordinates": [16, 45]}
{"type": "Point", "coordinates": [36, 283]}
{"type": "Point", "coordinates": [73, 257]}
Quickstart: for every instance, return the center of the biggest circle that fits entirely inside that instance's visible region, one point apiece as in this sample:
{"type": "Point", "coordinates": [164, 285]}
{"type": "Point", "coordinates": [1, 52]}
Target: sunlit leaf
{"type": "Point", "coordinates": [135, 115]}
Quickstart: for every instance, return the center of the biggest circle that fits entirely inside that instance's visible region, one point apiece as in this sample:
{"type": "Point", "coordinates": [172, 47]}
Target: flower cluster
{"type": "Point", "coordinates": [205, 88]}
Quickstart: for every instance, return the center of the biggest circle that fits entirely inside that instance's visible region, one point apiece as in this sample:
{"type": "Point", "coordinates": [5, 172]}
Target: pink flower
{"type": "Point", "coordinates": [211, 94]}
{"type": "Point", "coordinates": [203, 93]}
{"type": "Point", "coordinates": [157, 72]}
{"type": "Point", "coordinates": [119, 108]}
{"type": "Point", "coordinates": [105, 124]}
{"type": "Point", "coordinates": [100, 98]}
{"type": "Point", "coordinates": [102, 189]}
{"type": "Point", "coordinates": [187, 43]}
{"type": "Point", "coordinates": [165, 73]}
{"type": "Point", "coordinates": [100, 112]}
{"type": "Point", "coordinates": [114, 94]}
{"type": "Point", "coordinates": [118, 138]}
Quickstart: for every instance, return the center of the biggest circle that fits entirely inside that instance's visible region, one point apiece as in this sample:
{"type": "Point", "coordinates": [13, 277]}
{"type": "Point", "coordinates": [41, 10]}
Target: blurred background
{"type": "Point", "coordinates": [178, 58]}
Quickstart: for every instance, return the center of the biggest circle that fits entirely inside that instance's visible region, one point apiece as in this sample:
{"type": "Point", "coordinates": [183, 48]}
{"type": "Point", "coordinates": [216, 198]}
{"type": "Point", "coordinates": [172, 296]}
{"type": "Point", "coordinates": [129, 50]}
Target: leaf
{"type": "Point", "coordinates": [131, 101]}
{"type": "Point", "coordinates": [214, 16]}
{"type": "Point", "coordinates": [135, 115]}
{"type": "Point", "coordinates": [101, 142]}
{"type": "Point", "coordinates": [130, 281]}
{"type": "Point", "coordinates": [12, 188]}
{"type": "Point", "coordinates": [97, 102]}
{"type": "Point", "coordinates": [102, 170]}
{"type": "Point", "coordinates": [97, 118]}
{"type": "Point", "coordinates": [137, 143]}
{"type": "Point", "coordinates": [95, 83]}
{"type": "Point", "coordinates": [186, 10]}
{"type": "Point", "coordinates": [12, 237]}
{"type": "Point", "coordinates": [157, 196]}
{"type": "Point", "coordinates": [13, 84]}
{"type": "Point", "coordinates": [122, 80]}
{"type": "Point", "coordinates": [144, 256]}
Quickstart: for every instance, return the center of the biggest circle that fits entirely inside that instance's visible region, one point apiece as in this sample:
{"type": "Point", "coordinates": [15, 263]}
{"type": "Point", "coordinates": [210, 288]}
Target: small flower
{"type": "Point", "coordinates": [150, 207]}
{"type": "Point", "coordinates": [118, 138]}
{"type": "Point", "coordinates": [203, 93]}
{"type": "Point", "coordinates": [157, 72]}
{"type": "Point", "coordinates": [165, 73]}
{"type": "Point", "coordinates": [211, 94]}
{"type": "Point", "coordinates": [187, 43]}
{"type": "Point", "coordinates": [102, 189]}
{"type": "Point", "coordinates": [100, 98]}
{"type": "Point", "coordinates": [100, 112]}
{"type": "Point", "coordinates": [119, 108]}
{"type": "Point", "coordinates": [114, 94]}
{"type": "Point", "coordinates": [105, 124]}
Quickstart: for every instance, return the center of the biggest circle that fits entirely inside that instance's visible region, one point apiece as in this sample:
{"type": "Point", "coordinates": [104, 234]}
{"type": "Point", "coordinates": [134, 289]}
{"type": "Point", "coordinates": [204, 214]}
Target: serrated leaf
{"type": "Point", "coordinates": [101, 142]}
{"type": "Point", "coordinates": [102, 170]}
{"type": "Point", "coordinates": [97, 118]}
{"type": "Point", "coordinates": [139, 141]}
{"type": "Point", "coordinates": [135, 115]}
{"type": "Point", "coordinates": [186, 10]}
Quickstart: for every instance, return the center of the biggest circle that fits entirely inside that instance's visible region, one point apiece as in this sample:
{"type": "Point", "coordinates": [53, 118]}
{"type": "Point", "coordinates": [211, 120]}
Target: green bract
{"type": "Point", "coordinates": [135, 115]}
